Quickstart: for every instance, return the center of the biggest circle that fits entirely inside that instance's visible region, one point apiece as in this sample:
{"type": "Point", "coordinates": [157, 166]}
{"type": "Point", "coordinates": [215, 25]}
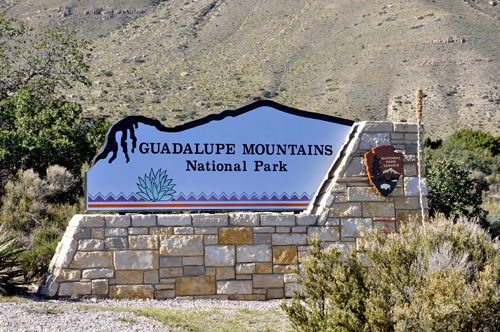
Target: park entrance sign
{"type": "Point", "coordinates": [264, 156]}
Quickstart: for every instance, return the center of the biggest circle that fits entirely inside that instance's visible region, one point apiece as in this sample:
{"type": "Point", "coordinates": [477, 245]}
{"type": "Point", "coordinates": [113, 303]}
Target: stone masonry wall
{"type": "Point", "coordinates": [244, 256]}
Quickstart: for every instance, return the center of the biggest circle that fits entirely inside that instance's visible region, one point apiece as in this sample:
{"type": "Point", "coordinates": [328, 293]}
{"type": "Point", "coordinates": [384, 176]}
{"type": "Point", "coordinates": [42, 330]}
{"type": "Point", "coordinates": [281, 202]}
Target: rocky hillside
{"type": "Point", "coordinates": [363, 60]}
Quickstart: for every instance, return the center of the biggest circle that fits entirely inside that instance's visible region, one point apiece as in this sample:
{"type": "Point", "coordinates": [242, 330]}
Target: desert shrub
{"type": "Point", "coordinates": [439, 276]}
{"type": "Point", "coordinates": [10, 248]}
{"type": "Point", "coordinates": [31, 201]}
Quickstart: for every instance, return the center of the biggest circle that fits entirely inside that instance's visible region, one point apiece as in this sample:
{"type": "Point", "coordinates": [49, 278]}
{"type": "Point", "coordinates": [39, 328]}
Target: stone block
{"type": "Point", "coordinates": [210, 220]}
{"type": "Point", "coordinates": [268, 280]}
{"type": "Point", "coordinates": [332, 222]}
{"type": "Point", "coordinates": [67, 248]}
{"type": "Point", "coordinates": [181, 245]}
{"type": "Point", "coordinates": [351, 226]}
{"type": "Point", "coordinates": [177, 220]}
{"type": "Point", "coordinates": [411, 149]}
{"type": "Point", "coordinates": [77, 232]}
{"type": "Point", "coordinates": [303, 255]}
{"type": "Point", "coordinates": [283, 268]}
{"type": "Point", "coordinates": [263, 229]}
{"type": "Point", "coordinates": [206, 230]}
{"type": "Point", "coordinates": [61, 275]}
{"type": "Point", "coordinates": [129, 277]}
{"type": "Point", "coordinates": [244, 219]}
{"type": "Point", "coordinates": [151, 277]}
{"type": "Point", "coordinates": [169, 272]}
{"type": "Point", "coordinates": [243, 277]}
{"type": "Point", "coordinates": [345, 210]}
{"type": "Point", "coordinates": [404, 217]}
{"type": "Point", "coordinates": [245, 268]}
{"type": "Point", "coordinates": [235, 235]}
{"type": "Point", "coordinates": [275, 293]}
{"type": "Point", "coordinates": [90, 245]}
{"type": "Point", "coordinates": [97, 233]}
{"type": "Point", "coordinates": [306, 219]}
{"type": "Point", "coordinates": [247, 297]}
{"type": "Point", "coordinates": [224, 273]}
{"type": "Point", "coordinates": [183, 230]}
{"type": "Point", "coordinates": [75, 288]}
{"type": "Point", "coordinates": [170, 261]}
{"type": "Point", "coordinates": [195, 285]}
{"type": "Point", "coordinates": [167, 281]}
{"type": "Point", "coordinates": [92, 259]}
{"type": "Point", "coordinates": [88, 220]}
{"type": "Point", "coordinates": [131, 291]}
{"type": "Point", "coordinates": [377, 126]}
{"type": "Point", "coordinates": [290, 277]}
{"type": "Point", "coordinates": [356, 168]}
{"type": "Point", "coordinates": [299, 229]}
{"type": "Point", "coordinates": [262, 238]}
{"type": "Point", "coordinates": [410, 169]}
{"type": "Point", "coordinates": [210, 239]}
{"type": "Point", "coordinates": [165, 294]}
{"type": "Point", "coordinates": [260, 291]}
{"type": "Point", "coordinates": [136, 242]}
{"type": "Point", "coordinates": [407, 203]}
{"type": "Point", "coordinates": [116, 243]}
{"type": "Point", "coordinates": [117, 221]}
{"type": "Point", "coordinates": [385, 226]}
{"type": "Point", "coordinates": [369, 141]}
{"type": "Point", "coordinates": [364, 194]}
{"type": "Point", "coordinates": [283, 229]}
{"type": "Point", "coordinates": [324, 233]}
{"type": "Point", "coordinates": [194, 260]}
{"type": "Point", "coordinates": [161, 231]}
{"type": "Point", "coordinates": [411, 186]}
{"type": "Point", "coordinates": [397, 136]}
{"type": "Point", "coordinates": [253, 253]}
{"type": "Point", "coordinates": [277, 219]}
{"type": "Point", "coordinates": [97, 273]}
{"type": "Point", "coordinates": [136, 260]}
{"type": "Point", "coordinates": [219, 255]}
{"type": "Point", "coordinates": [210, 271]}
{"type": "Point", "coordinates": [290, 288]}
{"type": "Point", "coordinates": [137, 231]}
{"type": "Point", "coordinates": [100, 287]}
{"type": "Point", "coordinates": [111, 232]}
{"type": "Point", "coordinates": [285, 255]}
{"type": "Point", "coordinates": [407, 127]}
{"type": "Point", "coordinates": [234, 287]}
{"type": "Point", "coordinates": [287, 239]}
{"type": "Point", "coordinates": [194, 270]}
{"type": "Point", "coordinates": [144, 220]}
{"type": "Point", "coordinates": [166, 286]}
{"type": "Point", "coordinates": [378, 210]}
{"type": "Point", "coordinates": [263, 268]}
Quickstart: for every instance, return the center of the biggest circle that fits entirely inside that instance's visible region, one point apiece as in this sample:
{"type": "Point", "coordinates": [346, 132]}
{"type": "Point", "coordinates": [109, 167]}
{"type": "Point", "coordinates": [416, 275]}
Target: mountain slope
{"type": "Point", "coordinates": [356, 59]}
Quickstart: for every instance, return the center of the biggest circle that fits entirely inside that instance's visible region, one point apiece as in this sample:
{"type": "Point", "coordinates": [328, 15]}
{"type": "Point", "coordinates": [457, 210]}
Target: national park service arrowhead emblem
{"type": "Point", "coordinates": [384, 167]}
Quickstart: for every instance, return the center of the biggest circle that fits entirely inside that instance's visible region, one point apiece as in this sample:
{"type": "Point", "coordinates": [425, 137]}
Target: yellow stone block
{"type": "Point", "coordinates": [204, 285]}
{"type": "Point", "coordinates": [285, 255]}
{"type": "Point", "coordinates": [236, 235]}
{"type": "Point", "coordinates": [129, 277]}
{"type": "Point", "coordinates": [263, 268]}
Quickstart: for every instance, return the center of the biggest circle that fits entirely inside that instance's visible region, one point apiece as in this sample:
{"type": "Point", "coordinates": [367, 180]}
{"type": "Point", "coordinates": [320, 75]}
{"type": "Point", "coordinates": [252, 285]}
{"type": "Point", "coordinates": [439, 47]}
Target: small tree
{"type": "Point", "coordinates": [452, 191]}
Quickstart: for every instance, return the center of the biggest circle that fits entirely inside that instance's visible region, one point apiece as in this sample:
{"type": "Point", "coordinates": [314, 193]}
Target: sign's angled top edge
{"type": "Point", "coordinates": [129, 123]}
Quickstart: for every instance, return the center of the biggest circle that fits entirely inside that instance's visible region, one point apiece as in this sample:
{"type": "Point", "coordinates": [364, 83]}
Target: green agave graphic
{"type": "Point", "coordinates": [156, 187]}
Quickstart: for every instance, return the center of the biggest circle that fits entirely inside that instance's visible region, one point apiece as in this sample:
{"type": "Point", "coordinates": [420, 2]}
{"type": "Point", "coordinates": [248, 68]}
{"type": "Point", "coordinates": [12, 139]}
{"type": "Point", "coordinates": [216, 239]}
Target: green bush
{"type": "Point", "coordinates": [36, 260]}
{"type": "Point", "coordinates": [439, 276]}
{"type": "Point", "coordinates": [452, 191]}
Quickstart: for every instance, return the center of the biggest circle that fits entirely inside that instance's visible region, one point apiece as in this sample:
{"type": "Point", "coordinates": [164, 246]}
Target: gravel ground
{"type": "Point", "coordinates": [39, 314]}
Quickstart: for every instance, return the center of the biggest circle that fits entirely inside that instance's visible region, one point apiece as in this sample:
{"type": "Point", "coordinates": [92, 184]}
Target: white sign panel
{"type": "Point", "coordinates": [264, 156]}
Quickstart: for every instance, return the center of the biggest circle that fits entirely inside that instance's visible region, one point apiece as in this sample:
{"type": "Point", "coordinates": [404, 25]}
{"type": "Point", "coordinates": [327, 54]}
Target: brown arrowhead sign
{"type": "Point", "coordinates": [384, 167]}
